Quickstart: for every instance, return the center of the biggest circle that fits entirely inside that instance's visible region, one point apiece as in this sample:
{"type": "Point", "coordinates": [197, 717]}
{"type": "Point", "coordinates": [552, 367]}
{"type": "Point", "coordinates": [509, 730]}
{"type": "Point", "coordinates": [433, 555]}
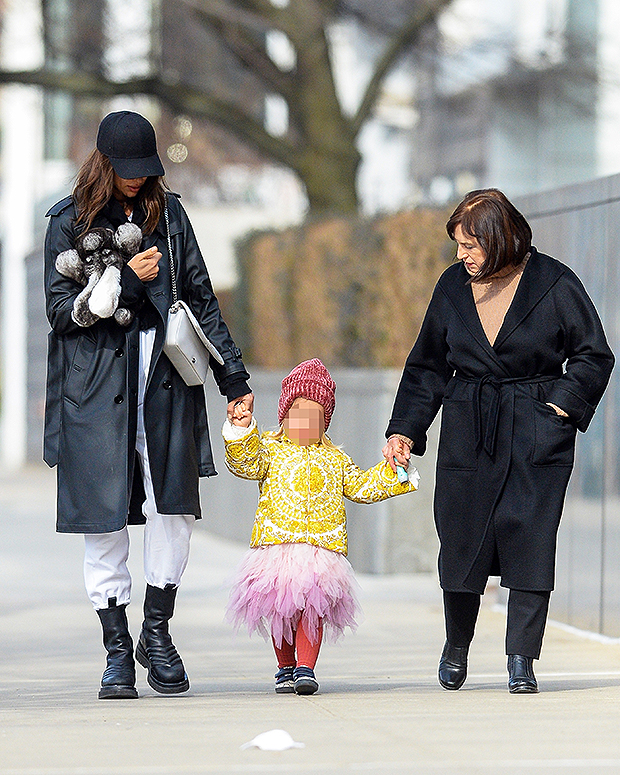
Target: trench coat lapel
{"type": "Point", "coordinates": [462, 298]}
{"type": "Point", "coordinates": [537, 280]}
{"type": "Point", "coordinates": [159, 292]}
{"type": "Point", "coordinates": [159, 289]}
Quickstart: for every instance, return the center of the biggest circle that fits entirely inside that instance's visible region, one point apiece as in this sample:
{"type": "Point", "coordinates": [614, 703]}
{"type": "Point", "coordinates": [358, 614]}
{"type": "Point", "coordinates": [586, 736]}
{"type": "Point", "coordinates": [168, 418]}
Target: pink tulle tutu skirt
{"type": "Point", "coordinates": [277, 586]}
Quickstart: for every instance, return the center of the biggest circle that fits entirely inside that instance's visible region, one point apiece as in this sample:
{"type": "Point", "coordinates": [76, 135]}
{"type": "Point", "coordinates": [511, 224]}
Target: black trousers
{"type": "Point", "coordinates": [525, 628]}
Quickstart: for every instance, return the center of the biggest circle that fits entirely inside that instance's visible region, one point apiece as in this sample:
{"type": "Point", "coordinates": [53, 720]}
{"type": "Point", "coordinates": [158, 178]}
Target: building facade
{"type": "Point", "coordinates": [522, 95]}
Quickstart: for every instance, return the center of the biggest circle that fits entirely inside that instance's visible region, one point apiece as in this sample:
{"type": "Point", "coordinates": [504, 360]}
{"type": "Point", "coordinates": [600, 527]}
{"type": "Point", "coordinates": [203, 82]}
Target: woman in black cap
{"type": "Point", "coordinates": [129, 437]}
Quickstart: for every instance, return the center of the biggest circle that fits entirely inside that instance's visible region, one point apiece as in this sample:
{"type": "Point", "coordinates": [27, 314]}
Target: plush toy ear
{"type": "Point", "coordinates": [128, 238]}
{"type": "Point", "coordinates": [69, 264]}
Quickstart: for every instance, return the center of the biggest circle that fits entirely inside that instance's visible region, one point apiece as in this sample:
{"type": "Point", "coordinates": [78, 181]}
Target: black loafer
{"type": "Point", "coordinates": [305, 681]}
{"type": "Point", "coordinates": [453, 666]}
{"type": "Point", "coordinates": [521, 678]}
{"type": "Point", "coordinates": [284, 681]}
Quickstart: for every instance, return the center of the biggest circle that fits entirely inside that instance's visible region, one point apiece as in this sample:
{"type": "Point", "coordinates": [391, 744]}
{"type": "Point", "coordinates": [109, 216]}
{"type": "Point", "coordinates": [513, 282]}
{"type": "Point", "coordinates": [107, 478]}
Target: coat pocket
{"type": "Point", "coordinates": [457, 444]}
{"type": "Point", "coordinates": [554, 437]}
{"type": "Point", "coordinates": [78, 371]}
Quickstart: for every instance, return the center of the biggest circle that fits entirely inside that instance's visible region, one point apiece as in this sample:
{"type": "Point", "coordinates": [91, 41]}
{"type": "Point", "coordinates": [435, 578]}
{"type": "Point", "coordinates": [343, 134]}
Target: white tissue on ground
{"type": "Point", "coordinates": [274, 740]}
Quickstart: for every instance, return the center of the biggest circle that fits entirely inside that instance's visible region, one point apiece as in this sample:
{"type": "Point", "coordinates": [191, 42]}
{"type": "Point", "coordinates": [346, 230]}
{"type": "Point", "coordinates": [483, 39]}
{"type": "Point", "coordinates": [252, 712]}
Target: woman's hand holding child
{"type": "Point", "coordinates": [241, 414]}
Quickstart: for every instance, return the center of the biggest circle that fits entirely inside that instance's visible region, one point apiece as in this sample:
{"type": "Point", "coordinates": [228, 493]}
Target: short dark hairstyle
{"type": "Point", "coordinates": [503, 233]}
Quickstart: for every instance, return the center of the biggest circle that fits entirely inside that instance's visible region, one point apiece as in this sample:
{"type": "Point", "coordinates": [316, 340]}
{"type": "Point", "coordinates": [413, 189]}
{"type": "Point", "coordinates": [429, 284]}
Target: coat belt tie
{"type": "Point", "coordinates": [485, 427]}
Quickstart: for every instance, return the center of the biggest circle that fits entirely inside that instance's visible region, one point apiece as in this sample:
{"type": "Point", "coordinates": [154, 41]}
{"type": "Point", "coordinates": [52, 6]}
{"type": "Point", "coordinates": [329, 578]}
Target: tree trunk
{"type": "Point", "coordinates": [328, 158]}
{"type": "Point", "coordinates": [330, 180]}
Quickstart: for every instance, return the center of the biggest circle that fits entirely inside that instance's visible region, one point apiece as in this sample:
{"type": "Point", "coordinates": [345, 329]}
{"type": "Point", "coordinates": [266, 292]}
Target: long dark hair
{"type": "Point", "coordinates": [503, 233]}
{"type": "Point", "coordinates": [94, 186]}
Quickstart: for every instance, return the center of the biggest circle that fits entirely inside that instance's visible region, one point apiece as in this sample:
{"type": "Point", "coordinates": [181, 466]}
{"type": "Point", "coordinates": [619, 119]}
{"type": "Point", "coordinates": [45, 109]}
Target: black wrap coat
{"type": "Point", "coordinates": [504, 457]}
{"type": "Point", "coordinates": [92, 383]}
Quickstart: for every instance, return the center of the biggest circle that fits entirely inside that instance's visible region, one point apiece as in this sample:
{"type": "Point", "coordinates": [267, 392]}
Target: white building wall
{"type": "Point", "coordinates": [608, 112]}
{"type": "Point", "coordinates": [21, 179]}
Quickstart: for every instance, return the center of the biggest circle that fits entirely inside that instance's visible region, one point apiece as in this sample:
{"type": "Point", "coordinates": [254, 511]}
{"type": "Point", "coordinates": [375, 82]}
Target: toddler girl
{"type": "Point", "coordinates": [295, 580]}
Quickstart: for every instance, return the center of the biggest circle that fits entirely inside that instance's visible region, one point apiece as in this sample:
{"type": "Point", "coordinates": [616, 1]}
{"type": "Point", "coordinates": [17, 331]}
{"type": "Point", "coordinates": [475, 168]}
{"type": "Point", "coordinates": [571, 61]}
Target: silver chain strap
{"type": "Point", "coordinates": [173, 276]}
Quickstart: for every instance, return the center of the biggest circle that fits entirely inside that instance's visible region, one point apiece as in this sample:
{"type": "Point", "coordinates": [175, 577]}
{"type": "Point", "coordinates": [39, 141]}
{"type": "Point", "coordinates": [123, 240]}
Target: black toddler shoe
{"type": "Point", "coordinates": [521, 678]}
{"type": "Point", "coordinates": [453, 666]}
{"type": "Point", "coordinates": [305, 682]}
{"type": "Point", "coordinates": [284, 681]}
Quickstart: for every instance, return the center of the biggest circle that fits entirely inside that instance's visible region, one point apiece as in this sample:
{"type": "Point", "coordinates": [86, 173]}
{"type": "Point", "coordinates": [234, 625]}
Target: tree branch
{"type": "Point", "coordinates": [247, 51]}
{"type": "Point", "coordinates": [231, 13]}
{"type": "Point", "coordinates": [331, 6]}
{"type": "Point", "coordinates": [181, 98]}
{"type": "Point", "coordinates": [277, 17]}
{"type": "Point", "coordinates": [405, 36]}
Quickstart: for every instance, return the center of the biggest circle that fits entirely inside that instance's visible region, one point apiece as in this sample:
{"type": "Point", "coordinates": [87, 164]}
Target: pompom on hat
{"type": "Point", "coordinates": [310, 380]}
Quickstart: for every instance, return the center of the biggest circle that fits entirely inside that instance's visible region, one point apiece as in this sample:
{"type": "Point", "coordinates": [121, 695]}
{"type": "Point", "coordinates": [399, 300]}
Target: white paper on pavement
{"type": "Point", "coordinates": [274, 740]}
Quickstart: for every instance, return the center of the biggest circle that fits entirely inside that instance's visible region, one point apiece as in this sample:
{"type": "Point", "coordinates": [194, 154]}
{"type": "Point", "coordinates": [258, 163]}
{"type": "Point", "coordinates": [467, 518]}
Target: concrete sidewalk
{"type": "Point", "coordinates": [379, 709]}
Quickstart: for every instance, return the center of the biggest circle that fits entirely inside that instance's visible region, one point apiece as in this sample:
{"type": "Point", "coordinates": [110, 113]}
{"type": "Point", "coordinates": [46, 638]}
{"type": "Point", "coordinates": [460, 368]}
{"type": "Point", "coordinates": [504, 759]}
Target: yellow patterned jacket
{"type": "Point", "coordinates": [302, 488]}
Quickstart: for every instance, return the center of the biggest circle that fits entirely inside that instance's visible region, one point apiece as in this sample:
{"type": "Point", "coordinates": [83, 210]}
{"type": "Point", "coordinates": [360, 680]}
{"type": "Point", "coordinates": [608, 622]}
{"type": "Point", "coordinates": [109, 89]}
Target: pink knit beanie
{"type": "Point", "coordinates": [310, 380]}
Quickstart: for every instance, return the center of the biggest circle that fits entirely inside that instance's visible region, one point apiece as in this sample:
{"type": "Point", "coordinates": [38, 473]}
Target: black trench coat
{"type": "Point", "coordinates": [92, 381]}
{"type": "Point", "coordinates": [504, 457]}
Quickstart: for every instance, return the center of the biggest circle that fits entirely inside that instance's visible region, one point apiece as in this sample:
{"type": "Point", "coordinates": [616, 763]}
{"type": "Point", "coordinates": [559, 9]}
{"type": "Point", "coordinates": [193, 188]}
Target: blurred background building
{"type": "Point", "coordinates": [522, 94]}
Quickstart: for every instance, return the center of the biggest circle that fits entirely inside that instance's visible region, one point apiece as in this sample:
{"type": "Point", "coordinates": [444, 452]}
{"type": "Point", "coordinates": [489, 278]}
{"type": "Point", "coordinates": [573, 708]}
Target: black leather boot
{"type": "Point", "coordinates": [119, 678]}
{"type": "Point", "coordinates": [155, 650]}
{"type": "Point", "coordinates": [453, 666]}
{"type": "Point", "coordinates": [521, 678]}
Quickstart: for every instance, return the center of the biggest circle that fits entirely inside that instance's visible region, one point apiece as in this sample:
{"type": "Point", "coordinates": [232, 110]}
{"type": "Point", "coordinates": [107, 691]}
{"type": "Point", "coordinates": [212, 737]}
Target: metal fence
{"type": "Point", "coordinates": [580, 226]}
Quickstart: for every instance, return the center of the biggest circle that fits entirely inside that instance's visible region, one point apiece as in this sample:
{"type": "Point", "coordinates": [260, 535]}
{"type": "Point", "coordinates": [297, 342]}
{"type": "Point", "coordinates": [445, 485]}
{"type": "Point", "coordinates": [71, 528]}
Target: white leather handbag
{"type": "Point", "coordinates": [186, 345]}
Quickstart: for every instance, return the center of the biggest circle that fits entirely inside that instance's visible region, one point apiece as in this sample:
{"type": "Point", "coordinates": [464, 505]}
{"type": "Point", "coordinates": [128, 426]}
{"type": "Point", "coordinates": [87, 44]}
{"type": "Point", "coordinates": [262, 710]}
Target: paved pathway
{"type": "Point", "coordinates": [380, 708]}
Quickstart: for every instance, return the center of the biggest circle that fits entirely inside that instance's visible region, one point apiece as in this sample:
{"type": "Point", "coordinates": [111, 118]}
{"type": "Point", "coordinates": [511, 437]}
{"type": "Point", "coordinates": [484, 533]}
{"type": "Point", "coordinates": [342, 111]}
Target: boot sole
{"type": "Point", "coordinates": [523, 689]}
{"type": "Point", "coordinates": [285, 688]}
{"type": "Point", "coordinates": [452, 687]}
{"type": "Point", "coordinates": [143, 659]}
{"type": "Point", "coordinates": [306, 686]}
{"type": "Point", "coordinates": [116, 692]}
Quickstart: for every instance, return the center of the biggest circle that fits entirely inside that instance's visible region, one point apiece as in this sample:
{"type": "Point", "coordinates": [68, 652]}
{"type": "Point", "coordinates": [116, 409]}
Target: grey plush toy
{"type": "Point", "coordinates": [96, 263]}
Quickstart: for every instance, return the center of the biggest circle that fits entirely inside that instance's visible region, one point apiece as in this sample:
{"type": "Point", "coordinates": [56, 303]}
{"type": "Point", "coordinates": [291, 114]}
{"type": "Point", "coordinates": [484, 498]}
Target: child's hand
{"type": "Point", "coordinates": [241, 415]}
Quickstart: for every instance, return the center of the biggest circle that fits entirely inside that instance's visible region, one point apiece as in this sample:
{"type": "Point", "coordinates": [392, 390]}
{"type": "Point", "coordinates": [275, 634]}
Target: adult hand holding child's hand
{"type": "Point", "coordinates": [240, 411]}
{"type": "Point", "coordinates": [397, 451]}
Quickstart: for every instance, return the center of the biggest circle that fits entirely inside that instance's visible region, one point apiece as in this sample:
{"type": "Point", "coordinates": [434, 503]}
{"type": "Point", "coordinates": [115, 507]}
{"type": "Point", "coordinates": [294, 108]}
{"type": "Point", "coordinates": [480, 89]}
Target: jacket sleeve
{"type": "Point", "coordinates": [246, 455]}
{"type": "Point", "coordinates": [590, 360]}
{"type": "Point", "coordinates": [231, 377]}
{"type": "Point", "coordinates": [376, 484]}
{"type": "Point", "coordinates": [132, 288]}
{"type": "Point", "coordinates": [60, 291]}
{"type": "Point", "coordinates": [424, 378]}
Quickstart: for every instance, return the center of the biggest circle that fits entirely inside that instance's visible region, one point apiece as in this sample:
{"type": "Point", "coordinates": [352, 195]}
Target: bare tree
{"type": "Point", "coordinates": [320, 144]}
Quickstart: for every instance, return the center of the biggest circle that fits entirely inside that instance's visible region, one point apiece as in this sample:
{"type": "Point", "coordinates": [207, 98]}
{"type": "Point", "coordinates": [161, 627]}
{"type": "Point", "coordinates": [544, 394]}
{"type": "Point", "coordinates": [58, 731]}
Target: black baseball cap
{"type": "Point", "coordinates": [128, 140]}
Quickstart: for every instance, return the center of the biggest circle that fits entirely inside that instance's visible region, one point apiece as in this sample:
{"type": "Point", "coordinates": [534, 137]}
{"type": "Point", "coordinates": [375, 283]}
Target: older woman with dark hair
{"type": "Point", "coordinates": [513, 351]}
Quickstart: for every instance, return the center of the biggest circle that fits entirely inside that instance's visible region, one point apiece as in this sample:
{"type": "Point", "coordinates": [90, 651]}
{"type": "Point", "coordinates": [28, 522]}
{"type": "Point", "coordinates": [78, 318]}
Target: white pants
{"type": "Point", "coordinates": [166, 536]}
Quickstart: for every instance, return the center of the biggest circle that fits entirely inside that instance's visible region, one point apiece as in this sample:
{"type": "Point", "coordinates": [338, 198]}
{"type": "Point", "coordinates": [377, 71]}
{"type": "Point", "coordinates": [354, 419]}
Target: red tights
{"type": "Point", "coordinates": [307, 653]}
